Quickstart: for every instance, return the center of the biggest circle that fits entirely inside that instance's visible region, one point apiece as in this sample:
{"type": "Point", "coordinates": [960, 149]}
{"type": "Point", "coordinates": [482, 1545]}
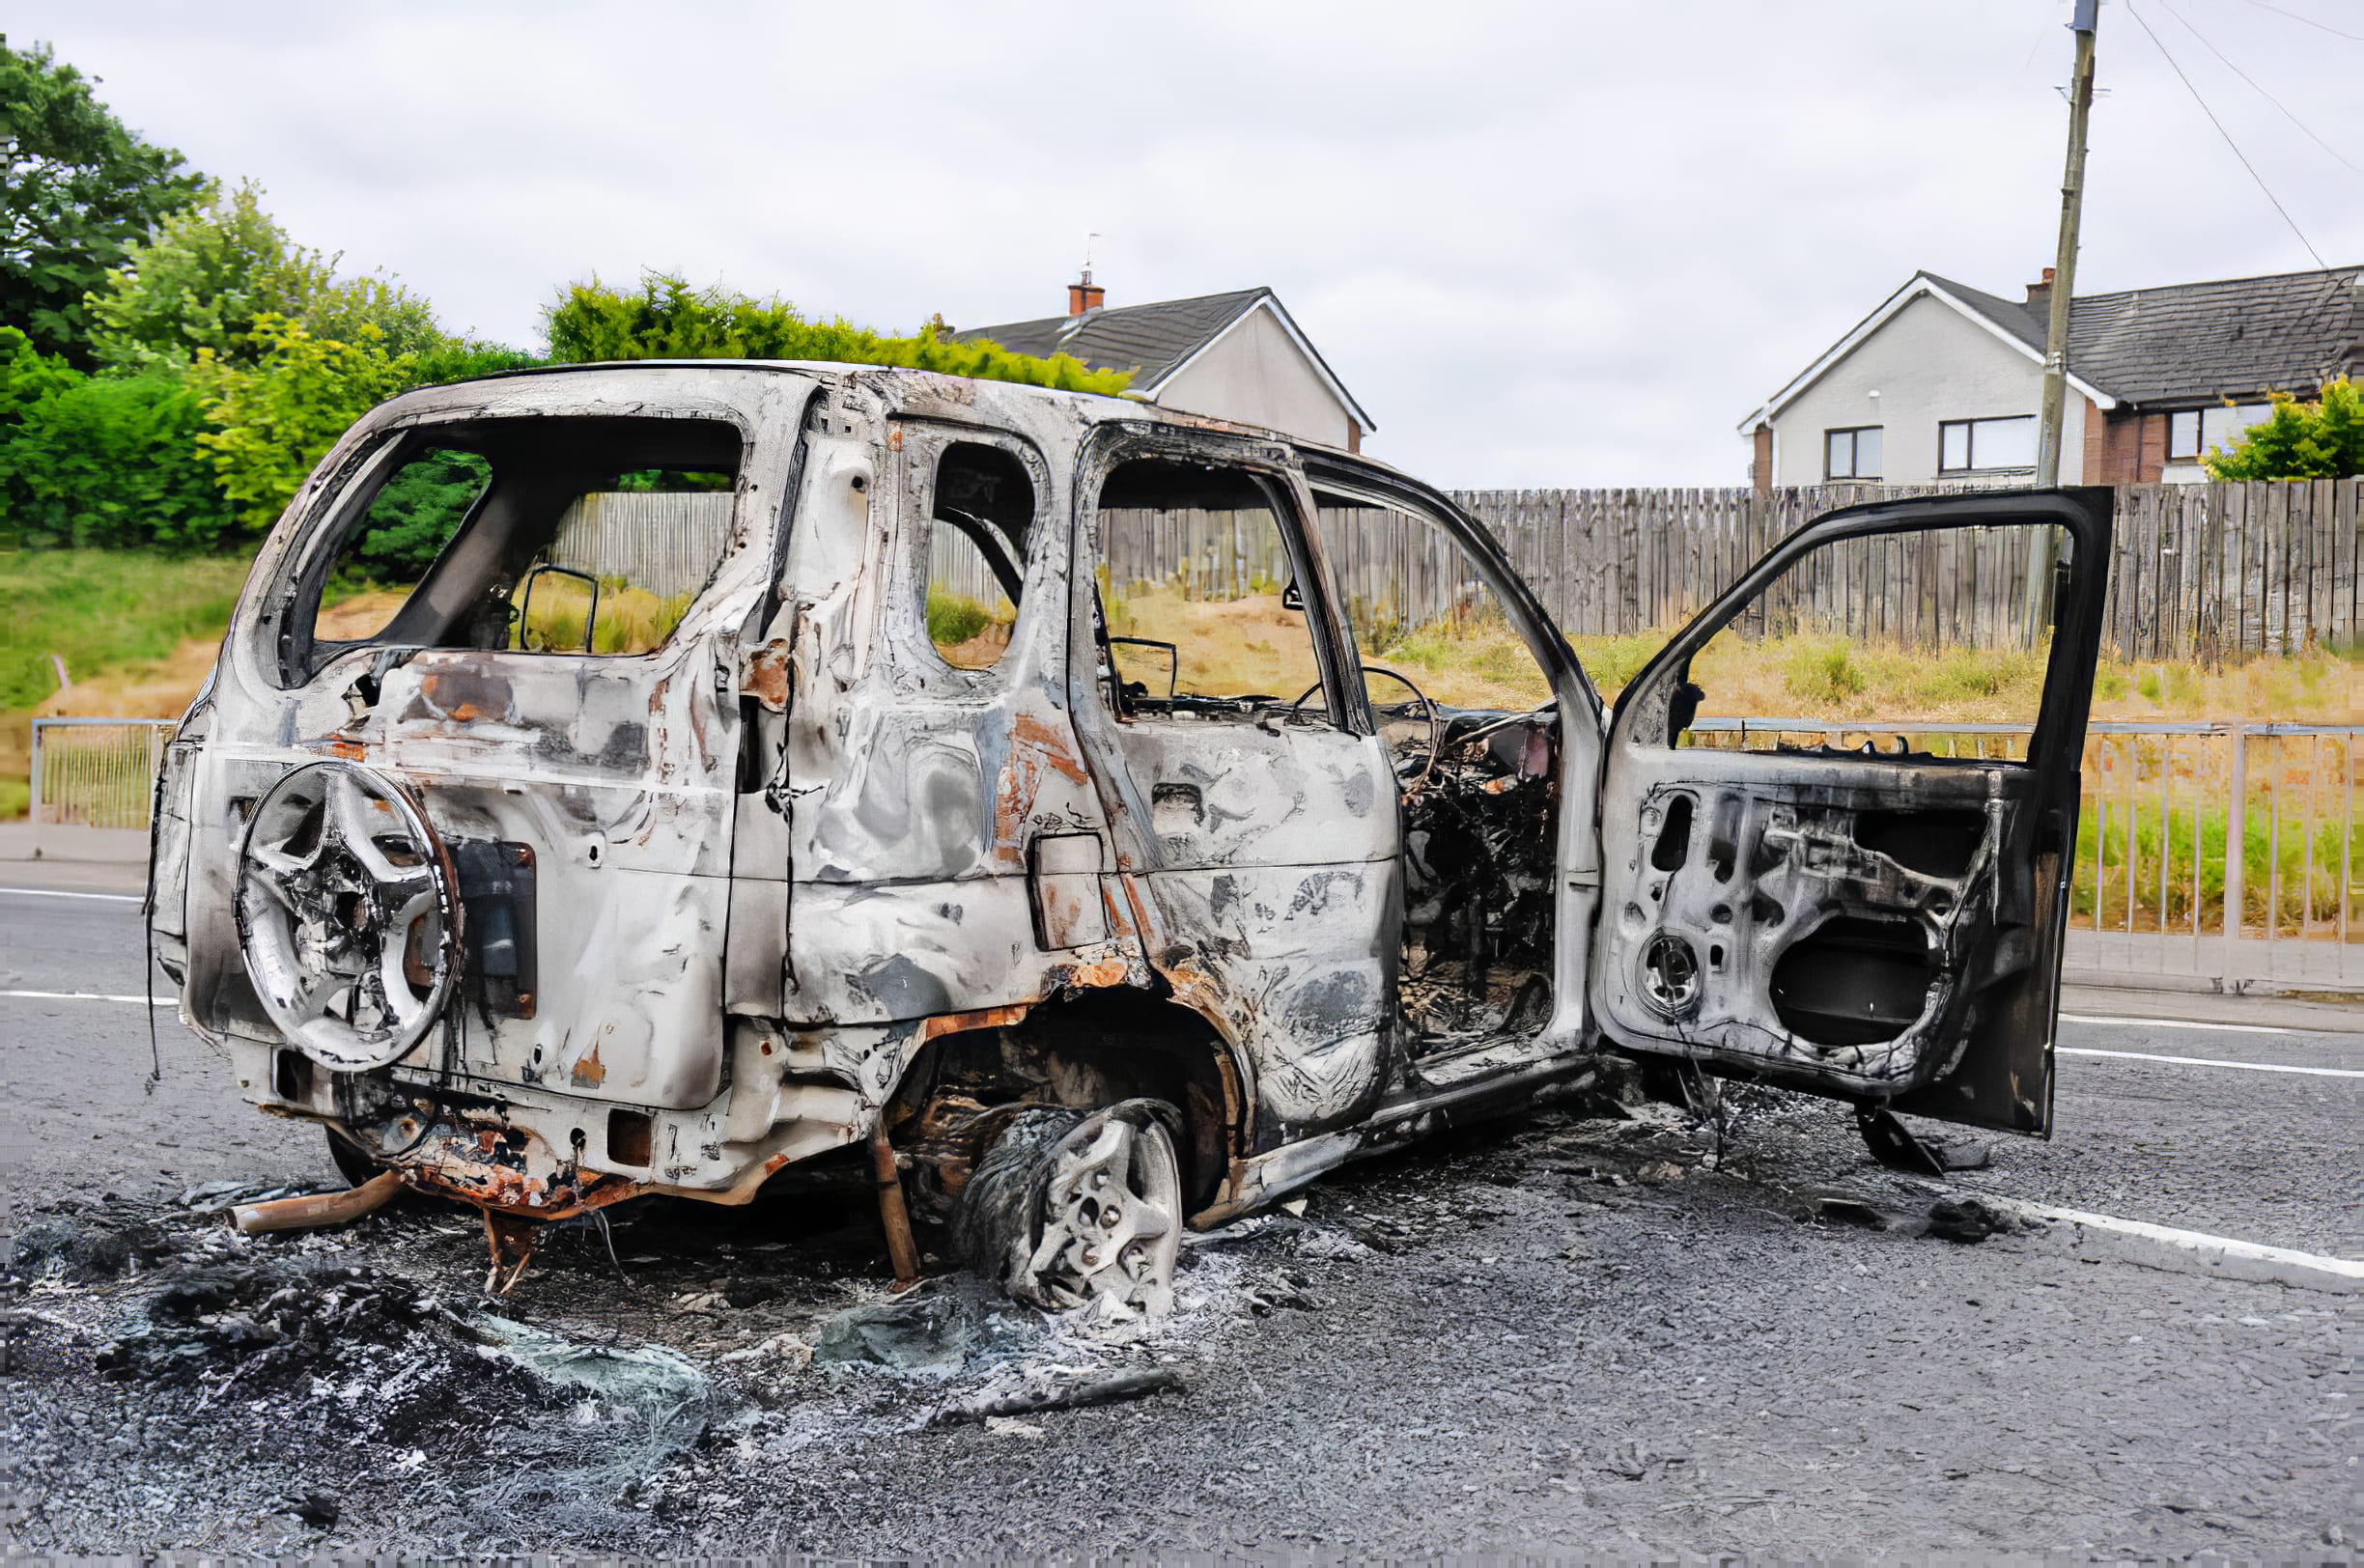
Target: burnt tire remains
{"type": "Point", "coordinates": [1072, 1209]}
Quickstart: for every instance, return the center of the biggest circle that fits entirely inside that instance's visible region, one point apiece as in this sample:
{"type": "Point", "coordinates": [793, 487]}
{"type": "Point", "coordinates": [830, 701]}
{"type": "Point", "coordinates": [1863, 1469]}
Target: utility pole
{"type": "Point", "coordinates": [2064, 266]}
{"type": "Point", "coordinates": [2063, 286]}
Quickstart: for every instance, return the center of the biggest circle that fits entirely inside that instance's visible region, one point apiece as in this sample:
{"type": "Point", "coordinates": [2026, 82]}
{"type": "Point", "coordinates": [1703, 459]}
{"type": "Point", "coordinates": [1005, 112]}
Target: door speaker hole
{"type": "Point", "coordinates": [1670, 976]}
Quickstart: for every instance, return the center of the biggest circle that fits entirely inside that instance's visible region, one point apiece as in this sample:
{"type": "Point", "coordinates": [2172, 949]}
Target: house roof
{"type": "Point", "coordinates": [1155, 341]}
{"type": "Point", "coordinates": [2185, 343]}
{"type": "Point", "coordinates": [2289, 332]}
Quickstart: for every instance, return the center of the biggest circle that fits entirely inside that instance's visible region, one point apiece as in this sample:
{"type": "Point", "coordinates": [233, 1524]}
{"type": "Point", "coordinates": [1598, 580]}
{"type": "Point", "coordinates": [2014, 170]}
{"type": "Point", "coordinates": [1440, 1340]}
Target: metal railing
{"type": "Point", "coordinates": [2223, 854]}
{"type": "Point", "coordinates": [2219, 853]}
{"type": "Point", "coordinates": [95, 772]}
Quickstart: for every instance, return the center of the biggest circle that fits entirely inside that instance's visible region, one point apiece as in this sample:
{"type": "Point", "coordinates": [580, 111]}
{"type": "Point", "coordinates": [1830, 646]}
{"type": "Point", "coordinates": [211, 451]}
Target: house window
{"type": "Point", "coordinates": [2183, 436]}
{"type": "Point", "coordinates": [1851, 454]}
{"type": "Point", "coordinates": [1985, 445]}
{"type": "Point", "coordinates": [2192, 434]}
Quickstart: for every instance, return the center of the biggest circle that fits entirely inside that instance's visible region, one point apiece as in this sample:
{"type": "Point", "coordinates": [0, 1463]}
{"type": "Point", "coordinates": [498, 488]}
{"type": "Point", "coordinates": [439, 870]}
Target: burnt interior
{"type": "Point", "coordinates": [1812, 917]}
{"type": "Point", "coordinates": [478, 504]}
{"type": "Point", "coordinates": [1932, 843]}
{"type": "Point", "coordinates": [1479, 845]}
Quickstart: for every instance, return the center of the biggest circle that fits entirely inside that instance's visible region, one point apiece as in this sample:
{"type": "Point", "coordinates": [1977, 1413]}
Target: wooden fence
{"type": "Point", "coordinates": [2207, 572]}
{"type": "Point", "coordinates": [667, 541]}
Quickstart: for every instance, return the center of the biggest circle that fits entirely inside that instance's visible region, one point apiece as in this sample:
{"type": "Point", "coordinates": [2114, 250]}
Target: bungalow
{"type": "Point", "coordinates": [1943, 381]}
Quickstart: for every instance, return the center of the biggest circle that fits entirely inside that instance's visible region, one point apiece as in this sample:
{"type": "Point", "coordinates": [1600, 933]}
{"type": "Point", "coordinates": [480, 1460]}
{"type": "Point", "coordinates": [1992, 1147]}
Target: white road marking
{"type": "Point", "coordinates": [52, 892]}
{"type": "Point", "coordinates": [84, 996]}
{"type": "Point", "coordinates": [2211, 1061]}
{"type": "Point", "coordinates": [2179, 1024]}
{"type": "Point", "coordinates": [2194, 1241]}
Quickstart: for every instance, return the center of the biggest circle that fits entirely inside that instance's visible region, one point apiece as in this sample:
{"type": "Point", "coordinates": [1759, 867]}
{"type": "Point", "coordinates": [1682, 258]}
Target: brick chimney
{"type": "Point", "coordinates": [1084, 294]}
{"type": "Point", "coordinates": [2040, 294]}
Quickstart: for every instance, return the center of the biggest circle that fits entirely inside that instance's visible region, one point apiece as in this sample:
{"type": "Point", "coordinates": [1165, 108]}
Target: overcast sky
{"type": "Point", "coordinates": [1546, 245]}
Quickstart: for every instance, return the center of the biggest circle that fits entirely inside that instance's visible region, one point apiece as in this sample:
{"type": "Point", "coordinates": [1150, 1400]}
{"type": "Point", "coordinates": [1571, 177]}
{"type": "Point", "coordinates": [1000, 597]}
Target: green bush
{"type": "Point", "coordinates": [100, 460]}
{"type": "Point", "coordinates": [276, 418]}
{"type": "Point", "coordinates": [1821, 673]}
{"type": "Point", "coordinates": [669, 320]}
{"type": "Point", "coordinates": [2323, 439]}
{"type": "Point", "coordinates": [952, 619]}
{"type": "Point", "coordinates": [112, 462]}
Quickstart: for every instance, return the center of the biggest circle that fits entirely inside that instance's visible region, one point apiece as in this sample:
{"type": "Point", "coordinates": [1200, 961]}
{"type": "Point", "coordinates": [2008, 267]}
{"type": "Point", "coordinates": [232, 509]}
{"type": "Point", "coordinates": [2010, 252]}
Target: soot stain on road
{"type": "Point", "coordinates": [1607, 1325]}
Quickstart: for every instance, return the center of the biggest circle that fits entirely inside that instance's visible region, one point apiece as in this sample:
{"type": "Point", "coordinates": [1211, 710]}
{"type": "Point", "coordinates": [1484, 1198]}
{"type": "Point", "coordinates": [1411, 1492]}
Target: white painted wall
{"type": "Point", "coordinates": [1928, 363]}
{"type": "Point", "coordinates": [1256, 374]}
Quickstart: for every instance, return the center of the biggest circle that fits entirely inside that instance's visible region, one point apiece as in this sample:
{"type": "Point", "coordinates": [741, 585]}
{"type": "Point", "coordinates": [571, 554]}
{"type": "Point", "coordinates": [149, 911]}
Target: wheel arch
{"type": "Point", "coordinates": [1093, 1049]}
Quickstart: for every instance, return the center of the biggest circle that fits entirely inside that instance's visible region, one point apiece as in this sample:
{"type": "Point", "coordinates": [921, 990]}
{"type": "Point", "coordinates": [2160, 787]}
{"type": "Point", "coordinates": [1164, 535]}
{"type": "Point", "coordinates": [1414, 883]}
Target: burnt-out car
{"type": "Point", "coordinates": [784, 770]}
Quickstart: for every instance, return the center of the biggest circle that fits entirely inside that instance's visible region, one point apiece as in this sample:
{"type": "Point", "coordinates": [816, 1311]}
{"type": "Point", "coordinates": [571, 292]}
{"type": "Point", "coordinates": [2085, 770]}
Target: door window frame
{"type": "Point", "coordinates": [1634, 725]}
{"type": "Point", "coordinates": [1275, 470]}
{"type": "Point", "coordinates": [912, 567]}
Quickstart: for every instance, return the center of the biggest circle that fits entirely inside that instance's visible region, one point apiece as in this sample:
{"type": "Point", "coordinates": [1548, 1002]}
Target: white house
{"type": "Point", "coordinates": [1230, 355]}
{"type": "Point", "coordinates": [1942, 382]}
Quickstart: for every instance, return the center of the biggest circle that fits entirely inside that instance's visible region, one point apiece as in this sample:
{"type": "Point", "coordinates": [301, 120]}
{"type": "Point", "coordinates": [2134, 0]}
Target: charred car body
{"type": "Point", "coordinates": [585, 873]}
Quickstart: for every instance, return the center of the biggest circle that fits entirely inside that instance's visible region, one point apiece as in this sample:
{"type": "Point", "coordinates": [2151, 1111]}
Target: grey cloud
{"type": "Point", "coordinates": [1544, 245]}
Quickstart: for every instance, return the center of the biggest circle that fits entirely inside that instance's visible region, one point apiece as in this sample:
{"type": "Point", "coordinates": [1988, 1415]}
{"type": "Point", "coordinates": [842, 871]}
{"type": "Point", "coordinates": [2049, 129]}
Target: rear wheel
{"type": "Point", "coordinates": [1070, 1209]}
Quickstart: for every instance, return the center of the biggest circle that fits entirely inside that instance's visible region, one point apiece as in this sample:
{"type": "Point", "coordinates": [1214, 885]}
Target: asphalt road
{"type": "Point", "coordinates": [1557, 1335]}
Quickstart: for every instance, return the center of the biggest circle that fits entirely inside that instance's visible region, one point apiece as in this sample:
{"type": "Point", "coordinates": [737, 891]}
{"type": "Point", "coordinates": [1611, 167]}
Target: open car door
{"type": "Point", "coordinates": [1869, 920]}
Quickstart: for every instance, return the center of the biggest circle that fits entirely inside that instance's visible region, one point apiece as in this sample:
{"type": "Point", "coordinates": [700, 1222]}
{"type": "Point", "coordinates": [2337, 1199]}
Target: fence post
{"type": "Point", "coordinates": [2237, 842]}
{"type": "Point", "coordinates": [33, 807]}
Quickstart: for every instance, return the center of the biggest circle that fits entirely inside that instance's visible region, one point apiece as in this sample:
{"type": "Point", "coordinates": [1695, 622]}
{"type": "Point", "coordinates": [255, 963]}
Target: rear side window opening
{"type": "Point", "coordinates": [980, 522]}
{"type": "Point", "coordinates": [531, 536]}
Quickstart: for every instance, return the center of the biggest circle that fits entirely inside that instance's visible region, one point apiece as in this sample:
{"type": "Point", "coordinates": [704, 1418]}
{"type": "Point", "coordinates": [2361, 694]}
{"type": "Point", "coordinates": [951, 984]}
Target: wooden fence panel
{"type": "Point", "coordinates": [2207, 572]}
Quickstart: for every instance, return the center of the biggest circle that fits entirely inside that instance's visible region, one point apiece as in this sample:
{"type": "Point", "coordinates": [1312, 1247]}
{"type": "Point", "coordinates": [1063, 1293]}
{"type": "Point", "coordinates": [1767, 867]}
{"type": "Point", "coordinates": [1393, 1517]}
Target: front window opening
{"type": "Point", "coordinates": [1908, 645]}
{"type": "Point", "coordinates": [980, 520]}
{"type": "Point", "coordinates": [1199, 595]}
{"type": "Point", "coordinates": [1468, 711]}
{"type": "Point", "coordinates": [571, 536]}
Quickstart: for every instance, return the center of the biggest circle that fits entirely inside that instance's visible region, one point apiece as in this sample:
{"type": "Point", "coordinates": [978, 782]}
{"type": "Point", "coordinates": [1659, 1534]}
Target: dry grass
{"type": "Point", "coordinates": [630, 620]}
{"type": "Point", "coordinates": [1826, 678]}
{"type": "Point", "coordinates": [1229, 648]}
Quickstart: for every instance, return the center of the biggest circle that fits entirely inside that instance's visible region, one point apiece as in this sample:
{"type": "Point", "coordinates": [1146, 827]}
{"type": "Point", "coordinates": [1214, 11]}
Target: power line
{"type": "Point", "coordinates": [2228, 137]}
{"type": "Point", "coordinates": [2309, 20]}
{"type": "Point", "coordinates": [2252, 81]}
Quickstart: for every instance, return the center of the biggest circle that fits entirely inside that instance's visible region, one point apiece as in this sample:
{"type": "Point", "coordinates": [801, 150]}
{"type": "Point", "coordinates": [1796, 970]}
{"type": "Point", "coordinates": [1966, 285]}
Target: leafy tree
{"type": "Point", "coordinates": [276, 418]}
{"type": "Point", "coordinates": [669, 320]}
{"type": "Point", "coordinates": [2323, 439]}
{"type": "Point", "coordinates": [79, 189]}
{"type": "Point", "coordinates": [211, 273]}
